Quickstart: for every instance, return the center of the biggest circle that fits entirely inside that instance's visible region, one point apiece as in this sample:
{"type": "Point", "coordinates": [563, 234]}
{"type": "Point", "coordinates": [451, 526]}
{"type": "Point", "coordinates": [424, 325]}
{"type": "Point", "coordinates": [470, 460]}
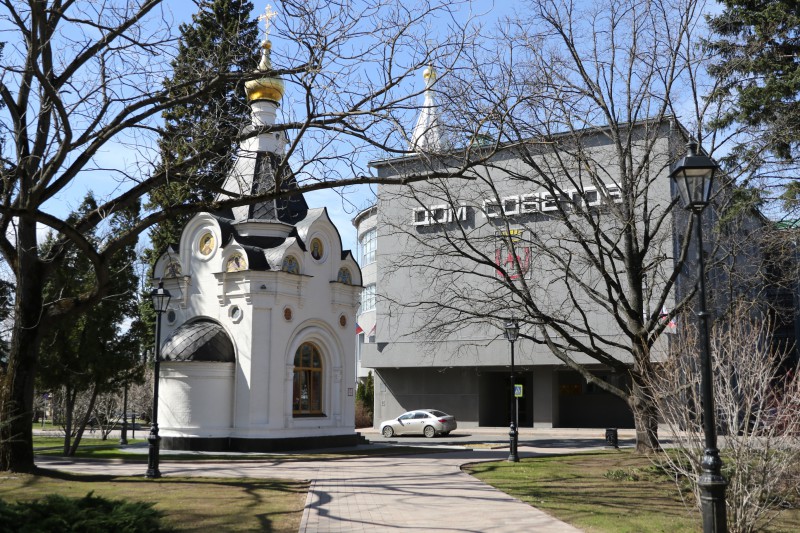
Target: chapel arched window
{"type": "Point", "coordinates": [307, 381]}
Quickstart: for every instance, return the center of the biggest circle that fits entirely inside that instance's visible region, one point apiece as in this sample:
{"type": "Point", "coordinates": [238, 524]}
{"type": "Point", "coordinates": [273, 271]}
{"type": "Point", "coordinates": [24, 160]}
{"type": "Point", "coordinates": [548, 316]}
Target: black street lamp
{"type": "Point", "coordinates": [123, 435]}
{"type": "Point", "coordinates": [160, 297]}
{"type": "Point", "coordinates": [694, 176]}
{"type": "Point", "coordinates": [512, 332]}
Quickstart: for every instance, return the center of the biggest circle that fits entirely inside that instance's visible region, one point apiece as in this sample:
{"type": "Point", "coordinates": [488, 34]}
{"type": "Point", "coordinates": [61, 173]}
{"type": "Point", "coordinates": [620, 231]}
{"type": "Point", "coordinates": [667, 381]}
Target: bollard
{"type": "Point", "coordinates": [612, 438]}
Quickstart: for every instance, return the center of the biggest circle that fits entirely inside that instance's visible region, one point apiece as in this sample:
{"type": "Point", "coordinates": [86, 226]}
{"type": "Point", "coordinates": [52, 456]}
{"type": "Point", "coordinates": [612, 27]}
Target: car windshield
{"type": "Point", "coordinates": [438, 413]}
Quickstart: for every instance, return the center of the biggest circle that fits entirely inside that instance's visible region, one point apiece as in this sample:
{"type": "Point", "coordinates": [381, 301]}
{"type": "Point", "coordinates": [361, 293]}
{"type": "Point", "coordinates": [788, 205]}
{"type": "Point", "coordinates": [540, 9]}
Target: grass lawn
{"type": "Point", "coordinates": [44, 443]}
{"type": "Point", "coordinates": [608, 491]}
{"type": "Point", "coordinates": [190, 504]}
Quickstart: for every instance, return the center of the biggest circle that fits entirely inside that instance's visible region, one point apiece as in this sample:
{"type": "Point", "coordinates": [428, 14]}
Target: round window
{"type": "Point", "coordinates": [236, 313]}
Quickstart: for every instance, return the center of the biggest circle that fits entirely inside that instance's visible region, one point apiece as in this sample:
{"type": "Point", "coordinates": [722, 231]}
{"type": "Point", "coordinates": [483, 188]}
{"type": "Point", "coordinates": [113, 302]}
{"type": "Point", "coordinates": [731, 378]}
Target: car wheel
{"type": "Point", "coordinates": [388, 432]}
{"type": "Point", "coordinates": [429, 432]}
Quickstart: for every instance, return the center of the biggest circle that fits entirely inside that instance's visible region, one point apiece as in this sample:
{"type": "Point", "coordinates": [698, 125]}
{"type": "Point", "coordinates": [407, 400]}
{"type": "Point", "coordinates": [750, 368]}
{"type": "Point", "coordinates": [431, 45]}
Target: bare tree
{"type": "Point", "coordinates": [107, 409]}
{"type": "Point", "coordinates": [82, 80]}
{"type": "Point", "coordinates": [577, 115]}
{"type": "Point", "coordinates": [140, 395]}
{"type": "Point", "coordinates": [756, 398]}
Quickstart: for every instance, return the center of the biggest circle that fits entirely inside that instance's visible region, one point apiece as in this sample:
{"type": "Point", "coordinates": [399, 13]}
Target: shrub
{"type": "Point", "coordinates": [363, 416]}
{"type": "Point", "coordinates": [55, 513]}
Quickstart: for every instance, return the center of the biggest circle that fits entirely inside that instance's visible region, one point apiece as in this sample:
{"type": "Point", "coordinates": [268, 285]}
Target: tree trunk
{"type": "Point", "coordinates": [16, 389]}
{"type": "Point", "coordinates": [69, 412]}
{"type": "Point", "coordinates": [82, 427]}
{"type": "Point", "coordinates": [645, 418]}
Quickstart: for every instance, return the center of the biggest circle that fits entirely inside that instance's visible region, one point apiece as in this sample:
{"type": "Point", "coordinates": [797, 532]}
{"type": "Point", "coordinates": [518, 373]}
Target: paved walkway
{"type": "Point", "coordinates": [426, 492]}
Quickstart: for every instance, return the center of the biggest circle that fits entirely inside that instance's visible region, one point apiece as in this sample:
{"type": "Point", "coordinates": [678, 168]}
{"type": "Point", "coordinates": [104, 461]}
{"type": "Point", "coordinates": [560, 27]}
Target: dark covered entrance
{"type": "Point", "coordinates": [495, 398]}
{"type": "Point", "coordinates": [583, 405]}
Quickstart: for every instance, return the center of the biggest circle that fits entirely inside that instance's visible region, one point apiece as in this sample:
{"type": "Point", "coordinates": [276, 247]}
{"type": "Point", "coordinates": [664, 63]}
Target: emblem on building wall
{"type": "Point", "coordinates": [514, 260]}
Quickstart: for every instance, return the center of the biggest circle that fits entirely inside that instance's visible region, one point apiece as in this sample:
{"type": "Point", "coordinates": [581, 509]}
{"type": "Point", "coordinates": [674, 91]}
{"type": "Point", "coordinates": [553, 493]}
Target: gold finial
{"type": "Point", "coordinates": [265, 88]}
{"type": "Point", "coordinates": [429, 75]}
{"type": "Point", "coordinates": [267, 17]}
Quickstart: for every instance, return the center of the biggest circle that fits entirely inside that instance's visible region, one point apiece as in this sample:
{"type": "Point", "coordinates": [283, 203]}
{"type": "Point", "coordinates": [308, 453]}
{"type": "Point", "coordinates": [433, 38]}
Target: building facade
{"type": "Point", "coordinates": [365, 223]}
{"type": "Point", "coordinates": [554, 229]}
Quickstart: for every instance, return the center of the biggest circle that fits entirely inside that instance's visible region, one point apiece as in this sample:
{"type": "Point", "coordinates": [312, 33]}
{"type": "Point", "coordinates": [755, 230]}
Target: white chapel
{"type": "Point", "coordinates": [258, 344]}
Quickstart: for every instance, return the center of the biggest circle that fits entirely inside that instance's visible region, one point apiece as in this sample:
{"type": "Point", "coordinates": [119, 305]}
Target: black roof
{"type": "Point", "coordinates": [289, 209]}
{"type": "Point", "coordinates": [201, 340]}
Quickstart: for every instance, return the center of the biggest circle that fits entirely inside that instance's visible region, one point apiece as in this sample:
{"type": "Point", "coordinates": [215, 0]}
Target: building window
{"type": "Point", "coordinates": [290, 265]}
{"type": "Point", "coordinates": [307, 386]}
{"type": "Point", "coordinates": [368, 298]}
{"type": "Point", "coordinates": [344, 276]}
{"type": "Point", "coordinates": [368, 243]}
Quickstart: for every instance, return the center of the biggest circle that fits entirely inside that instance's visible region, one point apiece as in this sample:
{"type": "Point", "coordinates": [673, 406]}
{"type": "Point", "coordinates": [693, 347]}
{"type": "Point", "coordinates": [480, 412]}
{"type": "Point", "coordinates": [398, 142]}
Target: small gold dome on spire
{"type": "Point", "coordinates": [265, 88]}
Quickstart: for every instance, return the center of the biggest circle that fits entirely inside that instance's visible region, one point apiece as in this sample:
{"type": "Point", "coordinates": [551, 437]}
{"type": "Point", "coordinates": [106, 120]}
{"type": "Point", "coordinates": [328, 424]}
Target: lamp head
{"type": "Point", "coordinates": [694, 175]}
{"type": "Point", "coordinates": [512, 330]}
{"type": "Point", "coordinates": [160, 297]}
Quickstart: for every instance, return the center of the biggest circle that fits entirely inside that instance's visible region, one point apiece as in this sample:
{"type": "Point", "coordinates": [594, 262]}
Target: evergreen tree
{"type": "Point", "coordinates": [222, 38]}
{"type": "Point", "coordinates": [758, 47]}
{"type": "Point", "coordinates": [365, 392]}
{"type": "Point", "coordinates": [91, 352]}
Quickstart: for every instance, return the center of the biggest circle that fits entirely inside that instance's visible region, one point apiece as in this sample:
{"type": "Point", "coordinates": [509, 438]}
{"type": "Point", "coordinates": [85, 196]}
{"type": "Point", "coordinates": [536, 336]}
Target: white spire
{"type": "Point", "coordinates": [428, 135]}
{"type": "Point", "coordinates": [264, 95]}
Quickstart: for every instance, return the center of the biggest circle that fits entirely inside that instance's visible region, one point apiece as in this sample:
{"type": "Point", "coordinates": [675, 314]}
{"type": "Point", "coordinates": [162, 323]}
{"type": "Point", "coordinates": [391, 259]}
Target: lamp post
{"type": "Point", "coordinates": [160, 297]}
{"type": "Point", "coordinates": [512, 331]}
{"type": "Point", "coordinates": [123, 435]}
{"type": "Point", "coordinates": [694, 175]}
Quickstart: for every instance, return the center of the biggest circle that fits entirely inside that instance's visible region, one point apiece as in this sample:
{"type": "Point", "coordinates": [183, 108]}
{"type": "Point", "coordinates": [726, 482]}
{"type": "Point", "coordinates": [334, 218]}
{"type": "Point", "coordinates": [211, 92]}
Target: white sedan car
{"type": "Point", "coordinates": [428, 422]}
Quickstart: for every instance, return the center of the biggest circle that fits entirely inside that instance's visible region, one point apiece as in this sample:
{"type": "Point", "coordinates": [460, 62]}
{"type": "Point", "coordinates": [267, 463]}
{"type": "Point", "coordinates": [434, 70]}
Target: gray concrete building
{"type": "Point", "coordinates": [536, 229]}
{"type": "Point", "coordinates": [367, 234]}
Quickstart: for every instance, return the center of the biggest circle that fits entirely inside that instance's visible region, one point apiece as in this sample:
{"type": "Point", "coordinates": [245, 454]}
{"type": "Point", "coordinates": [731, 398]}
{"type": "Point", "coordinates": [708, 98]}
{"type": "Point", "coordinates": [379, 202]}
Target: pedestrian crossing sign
{"type": "Point", "coordinates": [518, 391]}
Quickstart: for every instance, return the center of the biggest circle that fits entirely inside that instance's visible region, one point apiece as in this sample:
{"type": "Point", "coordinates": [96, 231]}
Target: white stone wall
{"type": "Point", "coordinates": [196, 399]}
{"type": "Point", "coordinates": [267, 315]}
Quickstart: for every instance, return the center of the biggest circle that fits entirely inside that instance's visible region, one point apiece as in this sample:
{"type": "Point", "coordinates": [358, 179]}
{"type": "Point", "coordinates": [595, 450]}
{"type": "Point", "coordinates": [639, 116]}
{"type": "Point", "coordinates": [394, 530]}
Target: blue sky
{"type": "Point", "coordinates": [128, 153]}
{"type": "Point", "coordinates": [342, 205]}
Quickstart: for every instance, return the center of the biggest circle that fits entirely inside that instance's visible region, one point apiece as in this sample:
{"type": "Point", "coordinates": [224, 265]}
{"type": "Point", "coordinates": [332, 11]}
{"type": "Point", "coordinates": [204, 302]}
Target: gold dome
{"type": "Point", "coordinates": [265, 88]}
